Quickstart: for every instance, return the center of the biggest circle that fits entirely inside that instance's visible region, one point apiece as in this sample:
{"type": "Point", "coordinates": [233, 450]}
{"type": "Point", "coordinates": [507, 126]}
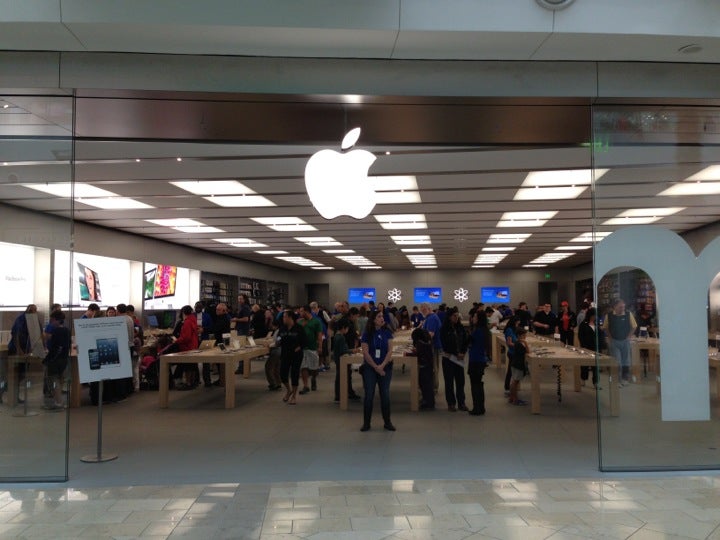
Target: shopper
{"type": "Point", "coordinates": [587, 335]}
{"type": "Point", "coordinates": [454, 347]}
{"type": "Point", "coordinates": [292, 338]}
{"type": "Point", "coordinates": [478, 360]}
{"type": "Point", "coordinates": [519, 367]}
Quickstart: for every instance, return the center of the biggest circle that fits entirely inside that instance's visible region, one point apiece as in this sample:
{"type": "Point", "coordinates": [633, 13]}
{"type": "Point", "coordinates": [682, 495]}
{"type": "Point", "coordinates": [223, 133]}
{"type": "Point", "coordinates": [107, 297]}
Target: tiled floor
{"type": "Point", "coordinates": [669, 507]}
{"type": "Point", "coordinates": [268, 471]}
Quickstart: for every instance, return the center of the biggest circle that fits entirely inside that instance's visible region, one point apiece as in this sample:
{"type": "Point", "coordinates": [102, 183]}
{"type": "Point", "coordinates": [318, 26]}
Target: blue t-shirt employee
{"type": "Point", "coordinates": [376, 344]}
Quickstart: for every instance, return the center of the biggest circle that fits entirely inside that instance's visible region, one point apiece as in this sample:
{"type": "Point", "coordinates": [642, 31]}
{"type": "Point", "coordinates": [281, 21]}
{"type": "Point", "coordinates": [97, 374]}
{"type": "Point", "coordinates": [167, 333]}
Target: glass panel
{"type": "Point", "coordinates": [36, 150]}
{"type": "Point", "coordinates": [655, 273]}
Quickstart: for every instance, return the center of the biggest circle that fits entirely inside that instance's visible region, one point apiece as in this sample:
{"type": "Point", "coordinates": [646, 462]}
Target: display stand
{"type": "Point", "coordinates": [25, 411]}
{"type": "Point", "coordinates": [99, 457]}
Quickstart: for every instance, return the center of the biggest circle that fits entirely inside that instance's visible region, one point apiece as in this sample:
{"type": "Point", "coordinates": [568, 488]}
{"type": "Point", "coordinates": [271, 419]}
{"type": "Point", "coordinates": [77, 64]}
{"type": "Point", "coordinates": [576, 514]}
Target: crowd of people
{"type": "Point", "coordinates": [308, 339]}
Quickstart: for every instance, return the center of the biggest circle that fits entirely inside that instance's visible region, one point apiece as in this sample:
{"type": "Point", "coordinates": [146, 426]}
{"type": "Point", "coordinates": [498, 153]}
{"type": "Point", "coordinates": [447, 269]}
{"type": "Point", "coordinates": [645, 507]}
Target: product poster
{"type": "Point", "coordinates": [103, 349]}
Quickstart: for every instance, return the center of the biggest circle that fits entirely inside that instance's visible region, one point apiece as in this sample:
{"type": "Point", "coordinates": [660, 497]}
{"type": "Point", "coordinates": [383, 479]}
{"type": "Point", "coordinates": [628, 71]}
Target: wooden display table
{"type": "Point", "coordinates": [652, 347]}
{"type": "Point", "coordinates": [229, 359]}
{"type": "Point", "coordinates": [574, 358]}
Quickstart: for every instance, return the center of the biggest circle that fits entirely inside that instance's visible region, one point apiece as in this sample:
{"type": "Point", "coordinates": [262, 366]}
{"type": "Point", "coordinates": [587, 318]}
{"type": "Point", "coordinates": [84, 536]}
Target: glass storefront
{"type": "Point", "coordinates": [662, 173]}
{"type": "Point", "coordinates": [36, 149]}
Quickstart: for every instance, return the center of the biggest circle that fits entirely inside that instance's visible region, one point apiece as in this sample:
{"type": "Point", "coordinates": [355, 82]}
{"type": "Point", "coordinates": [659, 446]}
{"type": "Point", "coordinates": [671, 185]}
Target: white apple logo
{"type": "Point", "coordinates": [337, 183]}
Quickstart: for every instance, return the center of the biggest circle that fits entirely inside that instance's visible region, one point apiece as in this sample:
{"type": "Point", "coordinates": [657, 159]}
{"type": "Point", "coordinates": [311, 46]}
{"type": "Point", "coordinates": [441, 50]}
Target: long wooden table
{"type": "Point", "coordinates": [574, 358]}
{"type": "Point", "coordinates": [14, 360]}
{"type": "Point", "coordinates": [229, 359]}
{"type": "Point", "coordinates": [649, 345]}
{"type": "Point", "coordinates": [398, 357]}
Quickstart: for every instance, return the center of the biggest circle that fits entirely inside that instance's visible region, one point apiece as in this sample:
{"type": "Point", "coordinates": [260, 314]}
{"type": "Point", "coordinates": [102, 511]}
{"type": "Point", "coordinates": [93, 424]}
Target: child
{"type": "Point", "coordinates": [339, 348]}
{"type": "Point", "coordinates": [518, 366]}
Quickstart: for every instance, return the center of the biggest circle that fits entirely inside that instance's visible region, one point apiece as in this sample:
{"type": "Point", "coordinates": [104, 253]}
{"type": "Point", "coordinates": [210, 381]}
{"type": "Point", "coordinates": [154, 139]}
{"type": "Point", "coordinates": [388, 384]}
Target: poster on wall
{"type": "Point", "coordinates": [17, 275]}
{"type": "Point", "coordinates": [431, 295]}
{"type": "Point", "coordinates": [495, 295]}
{"type": "Point", "coordinates": [93, 279]}
{"type": "Point", "coordinates": [103, 349]}
{"type": "Point", "coordinates": [361, 295]}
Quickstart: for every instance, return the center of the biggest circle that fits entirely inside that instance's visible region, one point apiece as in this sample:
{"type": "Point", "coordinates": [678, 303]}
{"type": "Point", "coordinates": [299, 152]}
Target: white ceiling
{"type": "Point", "coordinates": [641, 30]}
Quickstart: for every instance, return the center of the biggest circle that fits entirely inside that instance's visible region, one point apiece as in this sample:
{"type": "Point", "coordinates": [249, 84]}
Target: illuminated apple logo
{"type": "Point", "coordinates": [337, 183]}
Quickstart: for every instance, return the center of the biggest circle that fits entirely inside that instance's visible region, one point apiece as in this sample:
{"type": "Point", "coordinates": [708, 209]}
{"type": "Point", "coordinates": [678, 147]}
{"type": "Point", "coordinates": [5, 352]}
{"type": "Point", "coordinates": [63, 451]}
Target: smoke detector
{"type": "Point", "coordinates": [554, 5]}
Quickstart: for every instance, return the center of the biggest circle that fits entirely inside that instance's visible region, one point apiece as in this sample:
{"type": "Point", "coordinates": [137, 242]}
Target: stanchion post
{"type": "Point", "coordinates": [99, 457]}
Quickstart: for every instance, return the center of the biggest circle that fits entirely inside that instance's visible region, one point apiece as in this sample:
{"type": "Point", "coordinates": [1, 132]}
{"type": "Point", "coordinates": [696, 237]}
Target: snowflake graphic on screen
{"type": "Point", "coordinates": [461, 294]}
{"type": "Point", "coordinates": [394, 295]}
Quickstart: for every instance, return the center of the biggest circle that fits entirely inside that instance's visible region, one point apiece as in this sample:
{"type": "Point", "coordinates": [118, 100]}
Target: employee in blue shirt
{"type": "Point", "coordinates": [376, 344]}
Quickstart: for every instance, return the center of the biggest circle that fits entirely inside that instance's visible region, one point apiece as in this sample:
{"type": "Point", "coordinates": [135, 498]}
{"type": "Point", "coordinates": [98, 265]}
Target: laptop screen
{"type": "Point", "coordinates": [152, 321]}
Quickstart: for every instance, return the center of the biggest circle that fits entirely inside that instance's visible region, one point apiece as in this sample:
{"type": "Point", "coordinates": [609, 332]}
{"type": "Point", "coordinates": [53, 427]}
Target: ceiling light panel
{"type": "Point", "coordinates": [240, 242]}
{"type": "Point", "coordinates": [591, 237]}
{"type": "Point", "coordinates": [691, 188]}
{"type": "Point", "coordinates": [214, 187]}
{"type": "Point", "coordinates": [549, 258]}
{"type": "Point", "coordinates": [412, 240]}
{"type": "Point", "coordinates": [64, 189]}
{"type": "Point", "coordinates": [416, 250]}
{"type": "Point", "coordinates": [272, 252]}
{"type": "Point", "coordinates": [549, 193]}
{"type": "Point", "coordinates": [395, 189]}
{"type": "Point", "coordinates": [572, 248]}
{"type": "Point", "coordinates": [337, 251]}
{"type": "Point", "coordinates": [285, 224]}
{"type": "Point", "coordinates": [356, 260]}
{"type": "Point", "coordinates": [240, 201]}
{"type": "Point", "coordinates": [499, 248]}
{"type": "Point", "coordinates": [508, 238]}
{"type": "Point", "coordinates": [115, 203]}
{"type": "Point", "coordinates": [402, 221]}
{"type": "Point", "coordinates": [526, 219]}
{"type": "Point", "coordinates": [300, 261]}
{"type": "Point", "coordinates": [393, 183]}
{"type": "Point", "coordinates": [644, 212]}
{"type": "Point", "coordinates": [708, 173]}
{"type": "Point", "coordinates": [642, 216]}
{"type": "Point", "coordinates": [185, 225]}
{"type": "Point", "coordinates": [397, 197]}
{"type": "Point", "coordinates": [489, 258]}
{"type": "Point", "coordinates": [323, 268]}
{"type": "Point", "coordinates": [567, 177]}
{"type": "Point", "coordinates": [318, 241]}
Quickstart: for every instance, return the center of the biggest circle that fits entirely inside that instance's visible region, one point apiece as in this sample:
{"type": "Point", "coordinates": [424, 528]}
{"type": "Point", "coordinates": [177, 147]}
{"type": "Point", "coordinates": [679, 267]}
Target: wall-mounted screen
{"type": "Point", "coordinates": [169, 287]}
{"type": "Point", "coordinates": [17, 275]}
{"type": "Point", "coordinates": [149, 284]}
{"type": "Point", "coordinates": [361, 295]}
{"type": "Point", "coordinates": [495, 295]}
{"type": "Point", "coordinates": [165, 280]}
{"type": "Point", "coordinates": [431, 295]}
{"type": "Point", "coordinates": [95, 279]}
{"type": "Point", "coordinates": [89, 282]}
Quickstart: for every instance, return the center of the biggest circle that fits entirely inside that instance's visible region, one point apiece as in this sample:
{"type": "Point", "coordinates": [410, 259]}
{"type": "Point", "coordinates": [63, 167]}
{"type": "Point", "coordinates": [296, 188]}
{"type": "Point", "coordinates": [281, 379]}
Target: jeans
{"type": "Point", "coordinates": [476, 370]}
{"type": "Point", "coordinates": [620, 349]}
{"type": "Point", "coordinates": [454, 383]}
{"type": "Point", "coordinates": [370, 379]}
